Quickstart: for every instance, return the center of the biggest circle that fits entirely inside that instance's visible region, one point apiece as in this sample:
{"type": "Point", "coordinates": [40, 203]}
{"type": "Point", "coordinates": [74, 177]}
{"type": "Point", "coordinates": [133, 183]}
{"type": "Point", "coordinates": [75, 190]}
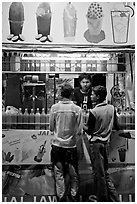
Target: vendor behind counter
{"type": "Point", "coordinates": [82, 93]}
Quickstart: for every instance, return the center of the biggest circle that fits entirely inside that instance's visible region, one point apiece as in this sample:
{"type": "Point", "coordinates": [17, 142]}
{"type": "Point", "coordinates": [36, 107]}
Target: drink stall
{"type": "Point", "coordinates": [35, 62]}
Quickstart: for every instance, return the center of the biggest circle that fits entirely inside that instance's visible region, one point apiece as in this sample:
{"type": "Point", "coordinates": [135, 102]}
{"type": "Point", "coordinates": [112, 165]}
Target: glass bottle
{"type": "Point", "coordinates": [3, 62]}
{"type": "Point", "coordinates": [42, 119]}
{"type": "Point", "coordinates": [114, 64]}
{"type": "Point", "coordinates": [128, 117]}
{"type": "Point", "coordinates": [7, 61]}
{"type": "Point", "coordinates": [17, 62]}
{"type": "Point", "coordinates": [133, 119]}
{"type": "Point", "coordinates": [32, 119]}
{"type": "Point", "coordinates": [19, 119]}
{"type": "Point", "coordinates": [3, 119]}
{"type": "Point", "coordinates": [37, 119]}
{"type": "Point", "coordinates": [13, 121]}
{"type": "Point", "coordinates": [25, 119]}
{"type": "Point", "coordinates": [47, 121]}
{"type": "Point", "coordinates": [8, 120]}
{"type": "Point", "coordinates": [12, 62]}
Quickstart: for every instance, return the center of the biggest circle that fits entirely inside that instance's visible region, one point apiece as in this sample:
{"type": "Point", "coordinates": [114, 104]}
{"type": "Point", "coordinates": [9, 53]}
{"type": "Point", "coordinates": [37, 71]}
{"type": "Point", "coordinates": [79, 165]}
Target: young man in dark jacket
{"type": "Point", "coordinates": [101, 120]}
{"type": "Point", "coordinates": [81, 96]}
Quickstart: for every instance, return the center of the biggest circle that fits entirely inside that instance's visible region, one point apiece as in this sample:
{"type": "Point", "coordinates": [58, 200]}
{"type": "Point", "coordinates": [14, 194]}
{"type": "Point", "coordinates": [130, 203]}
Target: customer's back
{"type": "Point", "coordinates": [104, 114]}
{"type": "Point", "coordinates": [65, 120]}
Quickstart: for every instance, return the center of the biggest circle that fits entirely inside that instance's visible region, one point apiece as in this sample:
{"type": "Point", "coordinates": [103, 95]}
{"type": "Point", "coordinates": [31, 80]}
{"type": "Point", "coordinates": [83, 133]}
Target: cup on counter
{"type": "Point", "coordinates": [122, 154]}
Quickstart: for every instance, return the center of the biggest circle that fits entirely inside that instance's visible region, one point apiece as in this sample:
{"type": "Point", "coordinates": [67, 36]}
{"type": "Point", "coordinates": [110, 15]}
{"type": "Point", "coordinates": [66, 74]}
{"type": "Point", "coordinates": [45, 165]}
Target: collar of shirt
{"type": "Point", "coordinates": [86, 93]}
{"type": "Point", "coordinates": [66, 101]}
{"type": "Point", "coordinates": [101, 104]}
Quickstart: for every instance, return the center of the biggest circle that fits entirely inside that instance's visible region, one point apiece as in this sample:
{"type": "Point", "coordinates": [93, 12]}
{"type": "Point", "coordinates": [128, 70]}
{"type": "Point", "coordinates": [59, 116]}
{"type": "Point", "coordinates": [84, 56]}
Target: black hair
{"type": "Point", "coordinates": [100, 91]}
{"type": "Point", "coordinates": [66, 90]}
{"type": "Point", "coordinates": [84, 76]}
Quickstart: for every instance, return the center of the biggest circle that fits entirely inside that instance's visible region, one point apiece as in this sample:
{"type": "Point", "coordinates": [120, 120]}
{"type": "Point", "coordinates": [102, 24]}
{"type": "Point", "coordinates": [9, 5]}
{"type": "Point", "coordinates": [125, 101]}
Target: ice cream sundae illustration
{"type": "Point", "coordinates": [16, 20]}
{"type": "Point", "coordinates": [69, 22]}
{"type": "Point", "coordinates": [94, 34]}
{"type": "Point", "coordinates": [43, 15]}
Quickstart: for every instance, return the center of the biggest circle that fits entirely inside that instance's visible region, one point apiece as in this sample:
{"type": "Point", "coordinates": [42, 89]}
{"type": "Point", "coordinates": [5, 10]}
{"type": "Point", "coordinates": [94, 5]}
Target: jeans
{"type": "Point", "coordinates": [65, 171]}
{"type": "Point", "coordinates": [103, 186]}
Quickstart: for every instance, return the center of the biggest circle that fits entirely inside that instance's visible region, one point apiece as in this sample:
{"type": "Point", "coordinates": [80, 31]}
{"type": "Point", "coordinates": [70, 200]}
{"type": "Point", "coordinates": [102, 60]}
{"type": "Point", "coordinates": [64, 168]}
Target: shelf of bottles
{"type": "Point", "coordinates": [25, 120]}
{"type": "Point", "coordinates": [126, 119]}
{"type": "Point", "coordinates": [40, 120]}
{"type": "Point", "coordinates": [122, 102]}
{"type": "Point", "coordinates": [63, 63]}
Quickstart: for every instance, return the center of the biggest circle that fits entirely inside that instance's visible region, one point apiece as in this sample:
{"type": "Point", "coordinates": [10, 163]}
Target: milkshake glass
{"type": "Point", "coordinates": [69, 21]}
{"type": "Point", "coordinates": [43, 19]}
{"type": "Point", "coordinates": [16, 18]}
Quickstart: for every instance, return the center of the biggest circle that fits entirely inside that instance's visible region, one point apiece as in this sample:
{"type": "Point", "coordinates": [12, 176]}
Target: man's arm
{"type": "Point", "coordinates": [89, 127]}
{"type": "Point", "coordinates": [51, 120]}
{"type": "Point", "coordinates": [80, 122]}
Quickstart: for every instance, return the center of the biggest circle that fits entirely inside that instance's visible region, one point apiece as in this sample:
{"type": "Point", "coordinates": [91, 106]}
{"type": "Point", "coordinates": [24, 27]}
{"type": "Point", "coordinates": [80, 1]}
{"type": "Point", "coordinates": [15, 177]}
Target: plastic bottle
{"type": "Point", "coordinates": [121, 62]}
{"type": "Point", "coordinates": [109, 65]}
{"type": "Point", "coordinates": [26, 119]}
{"type": "Point", "coordinates": [42, 66]}
{"type": "Point", "coordinates": [17, 62]}
{"type": "Point", "coordinates": [8, 120]}
{"type": "Point", "coordinates": [37, 120]}
{"type": "Point", "coordinates": [3, 119]}
{"type": "Point", "coordinates": [114, 66]}
{"type": "Point", "coordinates": [30, 64]}
{"type": "Point", "coordinates": [122, 119]}
{"type": "Point", "coordinates": [42, 119]}
{"type": "Point", "coordinates": [19, 119]}
{"type": "Point", "coordinates": [12, 62]}
{"type": "Point", "coordinates": [89, 66]}
{"type": "Point", "coordinates": [25, 64]}
{"type": "Point", "coordinates": [103, 65]}
{"type": "Point", "coordinates": [99, 66]}
{"type": "Point", "coordinates": [37, 65]}
{"type": "Point", "coordinates": [47, 122]}
{"type": "Point", "coordinates": [133, 120]}
{"type": "Point", "coordinates": [3, 62]}
{"type": "Point", "coordinates": [7, 61]}
{"type": "Point", "coordinates": [94, 66]}
{"type": "Point", "coordinates": [77, 66]}
{"type": "Point", "coordinates": [13, 121]}
{"type": "Point", "coordinates": [21, 63]}
{"type": "Point", "coordinates": [128, 119]}
{"type": "Point", "coordinates": [32, 119]}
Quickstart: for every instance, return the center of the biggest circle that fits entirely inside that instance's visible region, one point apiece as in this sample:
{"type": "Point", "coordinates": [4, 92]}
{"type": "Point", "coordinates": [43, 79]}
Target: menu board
{"type": "Point", "coordinates": [69, 23]}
